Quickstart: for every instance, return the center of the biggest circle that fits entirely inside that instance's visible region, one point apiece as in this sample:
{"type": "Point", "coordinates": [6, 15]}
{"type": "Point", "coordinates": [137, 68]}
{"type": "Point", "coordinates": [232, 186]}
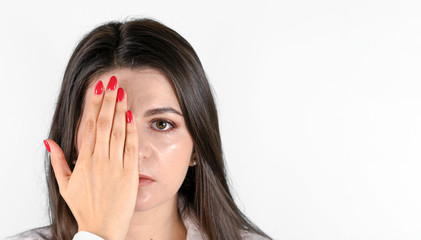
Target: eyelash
{"type": "Point", "coordinates": [171, 123]}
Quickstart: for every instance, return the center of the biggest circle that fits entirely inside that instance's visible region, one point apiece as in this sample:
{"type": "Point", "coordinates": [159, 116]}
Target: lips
{"type": "Point", "coordinates": [146, 177]}
{"type": "Point", "coordinates": [145, 180]}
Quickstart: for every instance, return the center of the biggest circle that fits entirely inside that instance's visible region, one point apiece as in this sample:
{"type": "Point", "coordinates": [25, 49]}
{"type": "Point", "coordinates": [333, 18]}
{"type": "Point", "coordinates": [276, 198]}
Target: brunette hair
{"type": "Point", "coordinates": [146, 43]}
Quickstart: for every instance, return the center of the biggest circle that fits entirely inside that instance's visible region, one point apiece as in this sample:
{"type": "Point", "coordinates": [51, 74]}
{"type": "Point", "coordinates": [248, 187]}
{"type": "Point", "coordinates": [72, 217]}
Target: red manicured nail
{"type": "Point", "coordinates": [47, 146]}
{"type": "Point", "coordinates": [112, 84]}
{"type": "Point", "coordinates": [129, 116]}
{"type": "Point", "coordinates": [98, 88]}
{"type": "Point", "coordinates": [120, 95]}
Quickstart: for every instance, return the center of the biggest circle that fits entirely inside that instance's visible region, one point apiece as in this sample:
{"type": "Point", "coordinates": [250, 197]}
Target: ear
{"type": "Point", "coordinates": [193, 160]}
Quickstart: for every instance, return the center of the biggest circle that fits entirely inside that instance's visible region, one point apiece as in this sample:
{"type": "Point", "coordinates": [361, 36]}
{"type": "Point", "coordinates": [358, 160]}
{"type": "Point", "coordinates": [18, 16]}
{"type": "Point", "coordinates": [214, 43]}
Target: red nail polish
{"type": "Point", "coordinates": [120, 95]}
{"type": "Point", "coordinates": [47, 146]}
{"type": "Point", "coordinates": [129, 116]}
{"type": "Point", "coordinates": [112, 84]}
{"type": "Point", "coordinates": [98, 88]}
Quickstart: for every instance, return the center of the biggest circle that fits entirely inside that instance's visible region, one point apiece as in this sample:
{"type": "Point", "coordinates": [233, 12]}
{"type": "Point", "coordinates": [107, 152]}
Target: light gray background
{"type": "Point", "coordinates": [319, 106]}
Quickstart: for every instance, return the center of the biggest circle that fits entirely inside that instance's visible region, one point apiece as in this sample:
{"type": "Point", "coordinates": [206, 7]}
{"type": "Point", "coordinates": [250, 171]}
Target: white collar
{"type": "Point", "coordinates": [193, 232]}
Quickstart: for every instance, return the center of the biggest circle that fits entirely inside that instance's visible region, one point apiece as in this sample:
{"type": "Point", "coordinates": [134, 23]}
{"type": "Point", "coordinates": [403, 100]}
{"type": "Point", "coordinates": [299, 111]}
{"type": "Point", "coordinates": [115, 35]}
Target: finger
{"type": "Point", "coordinates": [105, 119]}
{"type": "Point", "coordinates": [62, 171]}
{"type": "Point", "coordinates": [89, 134]}
{"type": "Point", "coordinates": [118, 133]}
{"type": "Point", "coordinates": [131, 146]}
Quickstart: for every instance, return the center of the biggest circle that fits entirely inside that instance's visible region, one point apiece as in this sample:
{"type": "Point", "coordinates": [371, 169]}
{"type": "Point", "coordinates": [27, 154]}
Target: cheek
{"type": "Point", "coordinates": [174, 154]}
{"type": "Point", "coordinates": [168, 165]}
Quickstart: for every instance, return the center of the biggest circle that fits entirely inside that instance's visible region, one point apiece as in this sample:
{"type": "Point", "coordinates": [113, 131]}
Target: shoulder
{"type": "Point", "coordinates": [194, 232]}
{"type": "Point", "coordinates": [32, 234]}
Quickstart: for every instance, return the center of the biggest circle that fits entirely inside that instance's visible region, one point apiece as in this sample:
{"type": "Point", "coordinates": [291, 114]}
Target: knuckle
{"type": "Point", "coordinates": [130, 150]}
{"type": "Point", "coordinates": [117, 135]}
{"type": "Point", "coordinates": [90, 125]}
{"type": "Point", "coordinates": [103, 122]}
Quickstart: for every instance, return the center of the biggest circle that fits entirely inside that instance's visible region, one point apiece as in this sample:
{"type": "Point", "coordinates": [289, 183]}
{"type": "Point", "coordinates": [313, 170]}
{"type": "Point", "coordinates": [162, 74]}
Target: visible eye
{"type": "Point", "coordinates": [163, 125]}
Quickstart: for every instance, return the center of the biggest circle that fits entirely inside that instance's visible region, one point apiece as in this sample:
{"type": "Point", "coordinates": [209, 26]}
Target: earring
{"type": "Point", "coordinates": [194, 158]}
{"type": "Point", "coordinates": [74, 161]}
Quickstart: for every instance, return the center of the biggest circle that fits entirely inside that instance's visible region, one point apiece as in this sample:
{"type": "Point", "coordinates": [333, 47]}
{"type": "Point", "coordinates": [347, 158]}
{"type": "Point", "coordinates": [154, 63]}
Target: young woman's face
{"type": "Point", "coordinates": [165, 151]}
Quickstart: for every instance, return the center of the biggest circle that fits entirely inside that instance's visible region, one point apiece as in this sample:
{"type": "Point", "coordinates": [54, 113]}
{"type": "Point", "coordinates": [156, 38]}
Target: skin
{"type": "Point", "coordinates": [161, 154]}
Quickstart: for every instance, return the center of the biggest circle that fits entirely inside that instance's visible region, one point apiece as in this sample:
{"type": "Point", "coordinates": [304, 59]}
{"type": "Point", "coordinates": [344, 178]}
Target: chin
{"type": "Point", "coordinates": [140, 207]}
{"type": "Point", "coordinates": [145, 201]}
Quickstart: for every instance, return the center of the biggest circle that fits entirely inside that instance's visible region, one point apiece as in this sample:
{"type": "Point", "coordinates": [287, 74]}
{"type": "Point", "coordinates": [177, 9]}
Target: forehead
{"type": "Point", "coordinates": [143, 87]}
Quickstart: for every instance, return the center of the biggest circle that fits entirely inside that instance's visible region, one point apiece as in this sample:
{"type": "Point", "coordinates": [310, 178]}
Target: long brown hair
{"type": "Point", "coordinates": [145, 43]}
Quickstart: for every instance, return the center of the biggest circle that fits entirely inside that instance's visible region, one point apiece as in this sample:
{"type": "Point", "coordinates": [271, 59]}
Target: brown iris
{"type": "Point", "coordinates": [161, 124]}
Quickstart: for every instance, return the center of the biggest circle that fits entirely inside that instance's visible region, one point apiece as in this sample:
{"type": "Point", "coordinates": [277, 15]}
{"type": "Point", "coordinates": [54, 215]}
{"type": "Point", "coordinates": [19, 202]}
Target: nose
{"type": "Point", "coordinates": [144, 144]}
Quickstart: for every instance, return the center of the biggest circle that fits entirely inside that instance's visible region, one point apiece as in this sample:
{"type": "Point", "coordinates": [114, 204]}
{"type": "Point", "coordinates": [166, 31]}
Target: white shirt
{"type": "Point", "coordinates": [193, 232]}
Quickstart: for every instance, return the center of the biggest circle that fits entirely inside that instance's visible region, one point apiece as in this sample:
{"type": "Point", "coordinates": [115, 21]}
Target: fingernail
{"type": "Point", "coordinates": [98, 88]}
{"type": "Point", "coordinates": [120, 95]}
{"type": "Point", "coordinates": [47, 146]}
{"type": "Point", "coordinates": [129, 116]}
{"type": "Point", "coordinates": [112, 84]}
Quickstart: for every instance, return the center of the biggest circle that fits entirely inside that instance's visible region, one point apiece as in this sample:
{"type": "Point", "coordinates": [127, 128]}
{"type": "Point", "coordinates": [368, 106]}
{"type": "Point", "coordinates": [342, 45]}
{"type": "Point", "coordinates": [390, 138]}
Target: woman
{"type": "Point", "coordinates": [135, 145]}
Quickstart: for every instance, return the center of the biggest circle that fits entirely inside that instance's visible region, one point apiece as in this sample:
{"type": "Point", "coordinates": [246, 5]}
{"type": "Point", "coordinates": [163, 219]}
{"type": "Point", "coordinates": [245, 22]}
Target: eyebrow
{"type": "Point", "coordinates": [161, 110]}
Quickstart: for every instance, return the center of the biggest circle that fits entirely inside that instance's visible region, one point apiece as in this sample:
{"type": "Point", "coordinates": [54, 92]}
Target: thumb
{"type": "Point", "coordinates": [58, 161]}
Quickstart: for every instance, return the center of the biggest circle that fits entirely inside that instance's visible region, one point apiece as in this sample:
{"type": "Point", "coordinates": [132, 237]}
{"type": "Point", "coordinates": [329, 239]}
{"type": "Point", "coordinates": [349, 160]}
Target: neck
{"type": "Point", "coordinates": [160, 223]}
